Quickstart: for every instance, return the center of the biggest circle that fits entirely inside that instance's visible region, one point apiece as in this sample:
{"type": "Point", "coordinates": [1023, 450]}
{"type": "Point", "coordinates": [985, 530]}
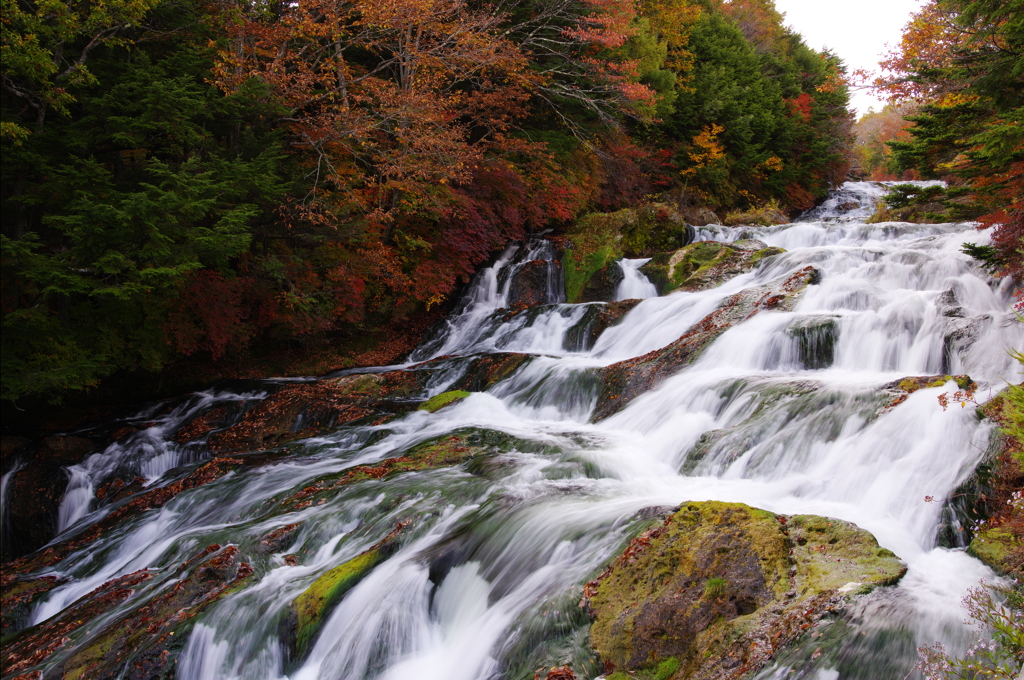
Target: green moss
{"type": "Point", "coordinates": [439, 401]}
{"type": "Point", "coordinates": [714, 587]}
{"type": "Point", "coordinates": [995, 547]}
{"type": "Point", "coordinates": [663, 609]}
{"type": "Point", "coordinates": [317, 600]}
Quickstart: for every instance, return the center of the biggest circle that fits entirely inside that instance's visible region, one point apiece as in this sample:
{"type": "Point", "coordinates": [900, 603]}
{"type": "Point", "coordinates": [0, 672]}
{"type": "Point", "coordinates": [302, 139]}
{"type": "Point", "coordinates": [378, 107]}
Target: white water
{"type": "Point", "coordinates": [634, 285]}
{"type": "Point", "coordinates": [543, 518]}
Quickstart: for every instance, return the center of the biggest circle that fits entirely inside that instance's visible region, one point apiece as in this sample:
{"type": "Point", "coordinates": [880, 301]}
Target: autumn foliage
{"type": "Point", "coordinates": [188, 182]}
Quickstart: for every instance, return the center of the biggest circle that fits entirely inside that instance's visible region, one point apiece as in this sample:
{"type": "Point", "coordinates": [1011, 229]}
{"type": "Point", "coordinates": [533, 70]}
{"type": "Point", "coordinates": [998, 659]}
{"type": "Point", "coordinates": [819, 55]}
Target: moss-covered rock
{"type": "Point", "coordinates": [309, 609]}
{"type": "Point", "coordinates": [766, 216]}
{"type": "Point", "coordinates": [705, 264]}
{"type": "Point", "coordinates": [719, 587]}
{"type": "Point", "coordinates": [486, 371]}
{"type": "Point", "coordinates": [439, 401]}
{"type": "Point", "coordinates": [596, 240]}
{"type": "Point", "coordinates": [626, 380]}
{"type": "Point", "coordinates": [816, 338]}
{"type": "Point", "coordinates": [17, 597]}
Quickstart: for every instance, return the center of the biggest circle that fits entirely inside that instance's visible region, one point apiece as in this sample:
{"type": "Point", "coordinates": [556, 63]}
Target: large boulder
{"type": "Point", "coordinates": [717, 588]}
{"type": "Point", "coordinates": [705, 264]}
{"type": "Point", "coordinates": [626, 380]}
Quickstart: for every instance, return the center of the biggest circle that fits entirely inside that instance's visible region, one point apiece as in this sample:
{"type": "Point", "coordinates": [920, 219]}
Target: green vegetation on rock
{"type": "Point", "coordinates": [706, 590]}
{"type": "Point", "coordinates": [705, 264]}
{"type": "Point", "coordinates": [439, 401]}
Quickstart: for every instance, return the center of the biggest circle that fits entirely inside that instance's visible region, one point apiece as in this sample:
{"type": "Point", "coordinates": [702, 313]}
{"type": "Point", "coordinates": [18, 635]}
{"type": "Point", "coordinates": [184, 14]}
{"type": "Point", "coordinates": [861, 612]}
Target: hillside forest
{"type": "Point", "coordinates": [956, 113]}
{"type": "Point", "coordinates": [193, 189]}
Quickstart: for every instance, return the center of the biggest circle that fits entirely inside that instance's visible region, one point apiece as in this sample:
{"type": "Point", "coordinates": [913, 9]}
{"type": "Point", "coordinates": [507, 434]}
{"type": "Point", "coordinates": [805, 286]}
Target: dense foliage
{"type": "Point", "coordinates": [186, 180]}
{"type": "Point", "coordinates": [963, 62]}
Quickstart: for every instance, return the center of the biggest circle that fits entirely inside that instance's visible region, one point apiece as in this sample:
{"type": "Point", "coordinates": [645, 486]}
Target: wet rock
{"type": "Point", "coordinates": [626, 380]}
{"type": "Point", "coordinates": [897, 391]}
{"type": "Point", "coordinates": [717, 588]}
{"type": "Point", "coordinates": [602, 285]}
{"type": "Point", "coordinates": [299, 411]}
{"type": "Point", "coordinates": [201, 425]}
{"type": "Point", "coordinates": [308, 610]}
{"type": "Point", "coordinates": [598, 319]}
{"type": "Point", "coordinates": [276, 540]}
{"type": "Point", "coordinates": [154, 498]}
{"type": "Point", "coordinates": [534, 283]}
{"type": "Point", "coordinates": [700, 216]}
{"type": "Point", "coordinates": [143, 643]}
{"type": "Point", "coordinates": [34, 493]}
{"type": "Point", "coordinates": [816, 338]}
{"type": "Point", "coordinates": [705, 264]}
{"type": "Point", "coordinates": [490, 369]}
{"type": "Point", "coordinates": [949, 305]}
{"type": "Point", "coordinates": [999, 541]}
{"type": "Point", "coordinates": [17, 597]}
{"type": "Point", "coordinates": [596, 240]}
{"type": "Point", "coordinates": [960, 335]}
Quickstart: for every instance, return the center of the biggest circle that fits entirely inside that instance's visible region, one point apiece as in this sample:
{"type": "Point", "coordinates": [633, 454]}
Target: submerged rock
{"type": "Point", "coordinates": [705, 264]}
{"type": "Point", "coordinates": [716, 588]}
{"type": "Point", "coordinates": [626, 380]}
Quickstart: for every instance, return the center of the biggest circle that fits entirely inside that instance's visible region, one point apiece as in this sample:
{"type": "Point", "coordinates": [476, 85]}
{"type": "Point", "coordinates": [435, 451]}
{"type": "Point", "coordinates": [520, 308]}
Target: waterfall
{"type": "Point", "coordinates": [634, 285]}
{"type": "Point", "coordinates": [779, 412]}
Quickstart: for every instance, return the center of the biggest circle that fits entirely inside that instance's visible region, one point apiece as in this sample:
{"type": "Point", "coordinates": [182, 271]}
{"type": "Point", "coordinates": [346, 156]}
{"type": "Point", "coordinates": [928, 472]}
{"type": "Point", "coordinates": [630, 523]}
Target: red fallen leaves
{"type": "Point", "coordinates": [200, 425]}
{"type": "Point", "coordinates": [52, 635]}
{"type": "Point", "coordinates": [557, 673]}
{"type": "Point", "coordinates": [276, 538]}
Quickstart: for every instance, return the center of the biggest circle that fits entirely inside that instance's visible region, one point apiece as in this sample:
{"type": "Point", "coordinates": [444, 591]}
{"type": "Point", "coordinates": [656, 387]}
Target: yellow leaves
{"type": "Point", "coordinates": [953, 99]}
{"type": "Point", "coordinates": [706, 149]}
{"type": "Point", "coordinates": [771, 164]}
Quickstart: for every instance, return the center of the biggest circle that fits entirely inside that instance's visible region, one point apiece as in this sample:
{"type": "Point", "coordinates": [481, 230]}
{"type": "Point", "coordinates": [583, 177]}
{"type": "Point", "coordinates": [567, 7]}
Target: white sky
{"type": "Point", "coordinates": [857, 30]}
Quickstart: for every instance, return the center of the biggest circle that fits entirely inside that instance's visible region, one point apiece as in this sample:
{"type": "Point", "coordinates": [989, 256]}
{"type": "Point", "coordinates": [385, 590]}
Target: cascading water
{"type": "Point", "coordinates": [485, 584]}
{"type": "Point", "coordinates": [634, 285]}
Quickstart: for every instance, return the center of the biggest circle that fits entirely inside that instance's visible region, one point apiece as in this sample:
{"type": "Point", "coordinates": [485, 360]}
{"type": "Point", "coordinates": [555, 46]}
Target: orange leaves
{"type": "Point", "coordinates": [801, 107]}
{"type": "Point", "coordinates": [706, 149]}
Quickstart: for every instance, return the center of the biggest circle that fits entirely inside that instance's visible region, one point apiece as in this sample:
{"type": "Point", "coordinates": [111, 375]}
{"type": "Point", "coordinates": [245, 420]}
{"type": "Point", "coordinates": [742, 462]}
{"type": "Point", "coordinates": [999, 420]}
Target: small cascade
{"type": "Point", "coordinates": [478, 564]}
{"type": "Point", "coordinates": [634, 285]}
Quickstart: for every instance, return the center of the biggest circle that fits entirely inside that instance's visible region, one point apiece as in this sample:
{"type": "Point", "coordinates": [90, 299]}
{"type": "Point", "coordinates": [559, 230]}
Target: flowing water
{"type": "Point", "coordinates": [487, 580]}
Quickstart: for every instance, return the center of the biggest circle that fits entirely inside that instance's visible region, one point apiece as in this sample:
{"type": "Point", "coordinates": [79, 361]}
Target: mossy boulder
{"type": "Point", "coordinates": [486, 371]}
{"type": "Point", "coordinates": [624, 381]}
{"type": "Point", "coordinates": [596, 240]}
{"type": "Point", "coordinates": [308, 610]}
{"type": "Point", "coordinates": [765, 216]}
{"type": "Point", "coordinates": [719, 587]}
{"type": "Point", "coordinates": [705, 264]}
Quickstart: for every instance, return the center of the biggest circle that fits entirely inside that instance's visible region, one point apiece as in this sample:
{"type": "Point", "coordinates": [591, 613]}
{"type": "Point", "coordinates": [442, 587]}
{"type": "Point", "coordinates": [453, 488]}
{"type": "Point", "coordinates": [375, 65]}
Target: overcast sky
{"type": "Point", "coordinates": [857, 31]}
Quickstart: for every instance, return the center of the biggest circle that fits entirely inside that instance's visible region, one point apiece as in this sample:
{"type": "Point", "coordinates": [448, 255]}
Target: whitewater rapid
{"type": "Point", "coordinates": [543, 518]}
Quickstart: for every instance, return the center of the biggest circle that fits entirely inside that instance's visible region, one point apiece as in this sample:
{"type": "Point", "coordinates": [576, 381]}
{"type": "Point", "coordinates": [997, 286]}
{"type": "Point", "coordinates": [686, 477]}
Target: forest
{"type": "Point", "coordinates": [189, 188]}
{"type": "Point", "coordinates": [956, 113]}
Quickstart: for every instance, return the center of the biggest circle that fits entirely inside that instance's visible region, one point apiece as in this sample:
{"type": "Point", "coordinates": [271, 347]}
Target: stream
{"type": "Point", "coordinates": [486, 581]}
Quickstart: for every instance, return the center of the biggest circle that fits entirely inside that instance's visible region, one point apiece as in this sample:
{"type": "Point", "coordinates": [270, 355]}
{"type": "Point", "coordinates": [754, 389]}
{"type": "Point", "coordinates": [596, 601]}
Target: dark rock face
{"type": "Point", "coordinates": [705, 264]}
{"type": "Point", "coordinates": [626, 380]}
{"type": "Point", "coordinates": [535, 283]}
{"type": "Point", "coordinates": [489, 369]}
{"type": "Point", "coordinates": [601, 286]}
{"type": "Point", "coordinates": [719, 587]}
{"type": "Point", "coordinates": [599, 318]}
{"type": "Point", "coordinates": [816, 338]}
{"type": "Point", "coordinates": [34, 492]}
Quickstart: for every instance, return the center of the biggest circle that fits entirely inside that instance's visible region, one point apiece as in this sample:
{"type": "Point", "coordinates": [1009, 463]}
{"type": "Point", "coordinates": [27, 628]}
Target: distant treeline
{"type": "Point", "coordinates": [190, 180]}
